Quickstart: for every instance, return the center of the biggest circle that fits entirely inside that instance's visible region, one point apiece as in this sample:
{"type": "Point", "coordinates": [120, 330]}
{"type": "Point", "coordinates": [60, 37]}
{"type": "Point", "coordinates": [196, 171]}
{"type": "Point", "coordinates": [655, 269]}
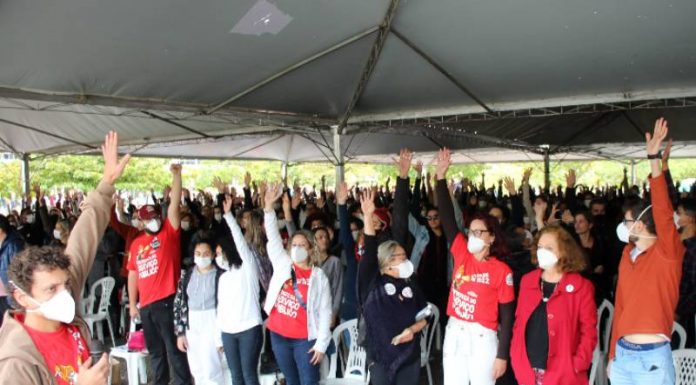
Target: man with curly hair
{"type": "Point", "coordinates": [43, 342]}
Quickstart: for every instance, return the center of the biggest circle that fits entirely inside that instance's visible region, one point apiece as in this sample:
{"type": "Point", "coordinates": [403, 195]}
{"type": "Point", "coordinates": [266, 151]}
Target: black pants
{"type": "Point", "coordinates": [409, 374]}
{"type": "Point", "coordinates": [158, 325]}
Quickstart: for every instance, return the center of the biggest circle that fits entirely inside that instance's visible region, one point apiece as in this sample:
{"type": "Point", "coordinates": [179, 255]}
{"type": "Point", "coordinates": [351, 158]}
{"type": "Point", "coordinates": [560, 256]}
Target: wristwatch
{"type": "Point", "coordinates": [655, 156]}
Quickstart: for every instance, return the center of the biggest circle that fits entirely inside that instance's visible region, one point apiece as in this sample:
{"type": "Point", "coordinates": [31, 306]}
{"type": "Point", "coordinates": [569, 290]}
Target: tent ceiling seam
{"type": "Point", "coordinates": [177, 124]}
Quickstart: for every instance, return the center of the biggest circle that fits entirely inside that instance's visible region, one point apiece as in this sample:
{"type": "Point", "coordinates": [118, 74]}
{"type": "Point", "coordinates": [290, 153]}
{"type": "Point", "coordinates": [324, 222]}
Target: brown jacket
{"type": "Point", "coordinates": [20, 361]}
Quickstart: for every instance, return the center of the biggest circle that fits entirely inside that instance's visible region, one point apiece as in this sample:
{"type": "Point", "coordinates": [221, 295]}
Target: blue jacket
{"type": "Point", "coordinates": [12, 245]}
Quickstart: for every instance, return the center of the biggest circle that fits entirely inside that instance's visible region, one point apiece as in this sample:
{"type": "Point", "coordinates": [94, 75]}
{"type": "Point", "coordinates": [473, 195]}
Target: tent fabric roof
{"type": "Point", "coordinates": [184, 79]}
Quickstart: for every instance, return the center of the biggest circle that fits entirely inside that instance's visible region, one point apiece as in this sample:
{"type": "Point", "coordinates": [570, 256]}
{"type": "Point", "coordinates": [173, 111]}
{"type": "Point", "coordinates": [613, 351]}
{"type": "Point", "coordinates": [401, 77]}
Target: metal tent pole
{"type": "Point", "coordinates": [338, 154]}
{"type": "Point", "coordinates": [547, 170]}
{"type": "Point", "coordinates": [26, 181]}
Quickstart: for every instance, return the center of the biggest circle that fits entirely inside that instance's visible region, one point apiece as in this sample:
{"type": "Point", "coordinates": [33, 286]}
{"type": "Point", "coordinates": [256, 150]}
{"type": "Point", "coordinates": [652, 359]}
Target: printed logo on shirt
{"type": "Point", "coordinates": [65, 372]}
{"type": "Point", "coordinates": [390, 288]}
{"type": "Point", "coordinates": [148, 265]}
{"type": "Point", "coordinates": [155, 244]}
{"type": "Point", "coordinates": [287, 304]}
{"type": "Point", "coordinates": [464, 305]}
{"type": "Point", "coordinates": [407, 292]}
{"type": "Point", "coordinates": [508, 279]}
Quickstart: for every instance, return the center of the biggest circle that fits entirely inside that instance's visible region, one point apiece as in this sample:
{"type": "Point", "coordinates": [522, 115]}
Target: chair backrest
{"type": "Point", "coordinates": [596, 356]}
{"type": "Point", "coordinates": [107, 286]}
{"type": "Point", "coordinates": [428, 334]}
{"type": "Point", "coordinates": [603, 333]}
{"type": "Point", "coordinates": [356, 363]}
{"type": "Point", "coordinates": [681, 332]}
{"type": "Point", "coordinates": [685, 366]}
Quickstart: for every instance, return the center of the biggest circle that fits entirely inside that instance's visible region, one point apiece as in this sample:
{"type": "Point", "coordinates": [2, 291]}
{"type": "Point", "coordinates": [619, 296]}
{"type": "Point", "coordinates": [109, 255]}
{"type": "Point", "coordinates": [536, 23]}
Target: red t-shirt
{"type": "Point", "coordinates": [288, 318]}
{"type": "Point", "coordinates": [478, 286]}
{"type": "Point", "coordinates": [157, 259]}
{"type": "Point", "coordinates": [63, 350]}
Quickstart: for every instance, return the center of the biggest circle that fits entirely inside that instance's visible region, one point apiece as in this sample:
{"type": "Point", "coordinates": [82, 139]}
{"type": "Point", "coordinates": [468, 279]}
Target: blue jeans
{"type": "Point", "coordinates": [292, 356]}
{"type": "Point", "coordinates": [242, 351]}
{"type": "Point", "coordinates": [642, 367]}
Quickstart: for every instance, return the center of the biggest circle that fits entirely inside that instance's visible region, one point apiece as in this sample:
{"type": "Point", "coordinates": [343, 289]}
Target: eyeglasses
{"type": "Point", "coordinates": [433, 218]}
{"type": "Point", "coordinates": [626, 221]}
{"type": "Point", "coordinates": [478, 233]}
{"type": "Point", "coordinates": [398, 255]}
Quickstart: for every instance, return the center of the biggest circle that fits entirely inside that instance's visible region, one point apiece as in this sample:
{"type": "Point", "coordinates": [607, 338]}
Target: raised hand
{"type": "Point", "coordinates": [444, 158]}
{"type": "Point", "coordinates": [665, 155]}
{"type": "Point", "coordinates": [509, 184]}
{"type": "Point", "coordinates": [526, 175]}
{"type": "Point", "coordinates": [342, 193]}
{"type": "Point", "coordinates": [227, 204]}
{"type": "Point", "coordinates": [219, 185]}
{"type": "Point", "coordinates": [654, 141]}
{"type": "Point", "coordinates": [320, 202]}
{"type": "Point", "coordinates": [570, 178]}
{"type": "Point", "coordinates": [175, 168]}
{"type": "Point", "coordinates": [286, 204]}
{"type": "Point", "coordinates": [367, 203]}
{"type": "Point", "coordinates": [247, 179]}
{"type": "Point", "coordinates": [418, 168]}
{"type": "Point", "coordinates": [296, 198]}
{"type": "Point", "coordinates": [272, 193]}
{"type": "Point", "coordinates": [113, 167]}
{"type": "Point", "coordinates": [403, 164]}
{"type": "Point", "coordinates": [540, 208]}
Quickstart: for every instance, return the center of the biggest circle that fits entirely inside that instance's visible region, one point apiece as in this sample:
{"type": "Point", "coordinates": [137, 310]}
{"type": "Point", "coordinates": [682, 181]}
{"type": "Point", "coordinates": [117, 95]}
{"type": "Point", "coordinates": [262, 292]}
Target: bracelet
{"type": "Point", "coordinates": [655, 156]}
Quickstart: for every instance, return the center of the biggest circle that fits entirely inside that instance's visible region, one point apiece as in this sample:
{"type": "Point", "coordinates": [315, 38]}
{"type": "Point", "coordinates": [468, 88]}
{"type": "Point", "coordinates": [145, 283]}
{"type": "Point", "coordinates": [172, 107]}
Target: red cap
{"type": "Point", "coordinates": [383, 215]}
{"type": "Point", "coordinates": [148, 212]}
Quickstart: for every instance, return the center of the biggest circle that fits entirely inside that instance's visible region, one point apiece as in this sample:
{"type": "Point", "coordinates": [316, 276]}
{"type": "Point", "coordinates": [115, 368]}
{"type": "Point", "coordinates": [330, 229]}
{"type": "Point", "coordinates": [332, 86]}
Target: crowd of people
{"type": "Point", "coordinates": [515, 272]}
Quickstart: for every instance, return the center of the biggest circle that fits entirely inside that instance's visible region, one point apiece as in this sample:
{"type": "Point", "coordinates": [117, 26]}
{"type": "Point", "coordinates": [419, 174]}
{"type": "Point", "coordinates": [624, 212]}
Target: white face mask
{"type": "Point", "coordinates": [202, 262]}
{"type": "Point", "coordinates": [56, 234]}
{"type": "Point", "coordinates": [218, 217]}
{"type": "Point", "coordinates": [355, 234]}
{"type": "Point", "coordinates": [298, 254]}
{"type": "Point", "coordinates": [281, 224]}
{"type": "Point", "coordinates": [185, 225]}
{"type": "Point", "coordinates": [135, 223]}
{"type": "Point", "coordinates": [546, 258]}
{"type": "Point", "coordinates": [221, 262]}
{"type": "Point", "coordinates": [61, 307]}
{"type": "Point", "coordinates": [30, 218]}
{"type": "Point", "coordinates": [405, 269]}
{"type": "Point", "coordinates": [623, 232]}
{"type": "Point", "coordinates": [153, 226]}
{"type": "Point", "coordinates": [587, 203]}
{"type": "Point", "coordinates": [475, 244]}
{"type": "Point", "coordinates": [482, 204]}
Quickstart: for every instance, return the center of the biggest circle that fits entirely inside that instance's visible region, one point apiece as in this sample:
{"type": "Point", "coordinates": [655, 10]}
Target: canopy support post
{"type": "Point", "coordinates": [26, 181]}
{"type": "Point", "coordinates": [338, 154]}
{"type": "Point", "coordinates": [284, 171]}
{"type": "Point", "coordinates": [547, 170]}
{"type": "Point", "coordinates": [633, 172]}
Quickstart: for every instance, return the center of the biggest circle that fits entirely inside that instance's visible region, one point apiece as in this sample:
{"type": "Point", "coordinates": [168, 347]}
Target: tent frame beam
{"type": "Point", "coordinates": [291, 68]}
{"type": "Point", "coordinates": [40, 131]}
{"type": "Point", "coordinates": [441, 69]}
{"type": "Point", "coordinates": [370, 64]}
{"type": "Point", "coordinates": [177, 124]}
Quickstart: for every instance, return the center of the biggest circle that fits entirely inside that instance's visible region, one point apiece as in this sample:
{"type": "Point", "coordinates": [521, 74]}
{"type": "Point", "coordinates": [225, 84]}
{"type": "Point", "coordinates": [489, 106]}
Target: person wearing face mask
{"type": "Point", "coordinates": [239, 309]}
{"type": "Point", "coordinates": [333, 269]}
{"type": "Point", "coordinates": [648, 286]}
{"type": "Point", "coordinates": [188, 232]}
{"type": "Point", "coordinates": [349, 231]}
{"type": "Point", "coordinates": [298, 302]}
{"type": "Point", "coordinates": [555, 328]}
{"type": "Point", "coordinates": [481, 307]}
{"type": "Point", "coordinates": [391, 305]}
{"type": "Point", "coordinates": [43, 342]}
{"type": "Point", "coordinates": [154, 267]}
{"type": "Point", "coordinates": [195, 323]}
{"type": "Point", "coordinates": [31, 228]}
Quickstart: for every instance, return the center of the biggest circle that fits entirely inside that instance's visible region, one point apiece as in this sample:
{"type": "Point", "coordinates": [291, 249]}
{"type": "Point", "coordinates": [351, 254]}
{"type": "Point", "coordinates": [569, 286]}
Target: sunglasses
{"type": "Point", "coordinates": [433, 218]}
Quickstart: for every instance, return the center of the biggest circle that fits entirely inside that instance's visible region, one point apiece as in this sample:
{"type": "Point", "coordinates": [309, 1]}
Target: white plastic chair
{"type": "Point", "coordinates": [426, 340]}
{"type": "Point", "coordinates": [264, 379]}
{"type": "Point", "coordinates": [102, 314]}
{"type": "Point", "coordinates": [136, 364]}
{"type": "Point", "coordinates": [355, 371]}
{"type": "Point", "coordinates": [681, 332]}
{"type": "Point", "coordinates": [685, 366]}
{"type": "Point", "coordinates": [599, 363]}
{"type": "Point", "coordinates": [596, 359]}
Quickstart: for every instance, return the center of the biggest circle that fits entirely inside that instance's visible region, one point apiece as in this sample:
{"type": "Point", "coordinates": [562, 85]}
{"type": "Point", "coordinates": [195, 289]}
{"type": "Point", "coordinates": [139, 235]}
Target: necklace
{"type": "Point", "coordinates": [543, 297]}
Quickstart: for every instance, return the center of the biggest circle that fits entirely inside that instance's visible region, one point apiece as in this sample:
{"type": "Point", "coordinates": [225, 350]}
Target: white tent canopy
{"type": "Point", "coordinates": [290, 80]}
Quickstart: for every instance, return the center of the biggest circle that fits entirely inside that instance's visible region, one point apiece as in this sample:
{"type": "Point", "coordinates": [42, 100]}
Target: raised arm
{"type": "Point", "coordinates": [368, 268]}
{"type": "Point", "coordinates": [276, 252]}
{"type": "Point", "coordinates": [96, 209]}
{"type": "Point", "coordinates": [449, 224]}
{"type": "Point", "coordinates": [173, 212]}
{"type": "Point", "coordinates": [239, 241]}
{"type": "Point", "coordinates": [400, 213]}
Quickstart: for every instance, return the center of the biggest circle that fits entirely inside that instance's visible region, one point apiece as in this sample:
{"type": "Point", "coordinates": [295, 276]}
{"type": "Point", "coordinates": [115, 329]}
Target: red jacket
{"type": "Point", "coordinates": [572, 322]}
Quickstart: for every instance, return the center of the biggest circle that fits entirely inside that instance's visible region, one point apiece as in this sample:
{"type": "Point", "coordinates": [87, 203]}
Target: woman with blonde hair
{"type": "Point", "coordinates": [555, 327]}
{"type": "Point", "coordinates": [298, 302]}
